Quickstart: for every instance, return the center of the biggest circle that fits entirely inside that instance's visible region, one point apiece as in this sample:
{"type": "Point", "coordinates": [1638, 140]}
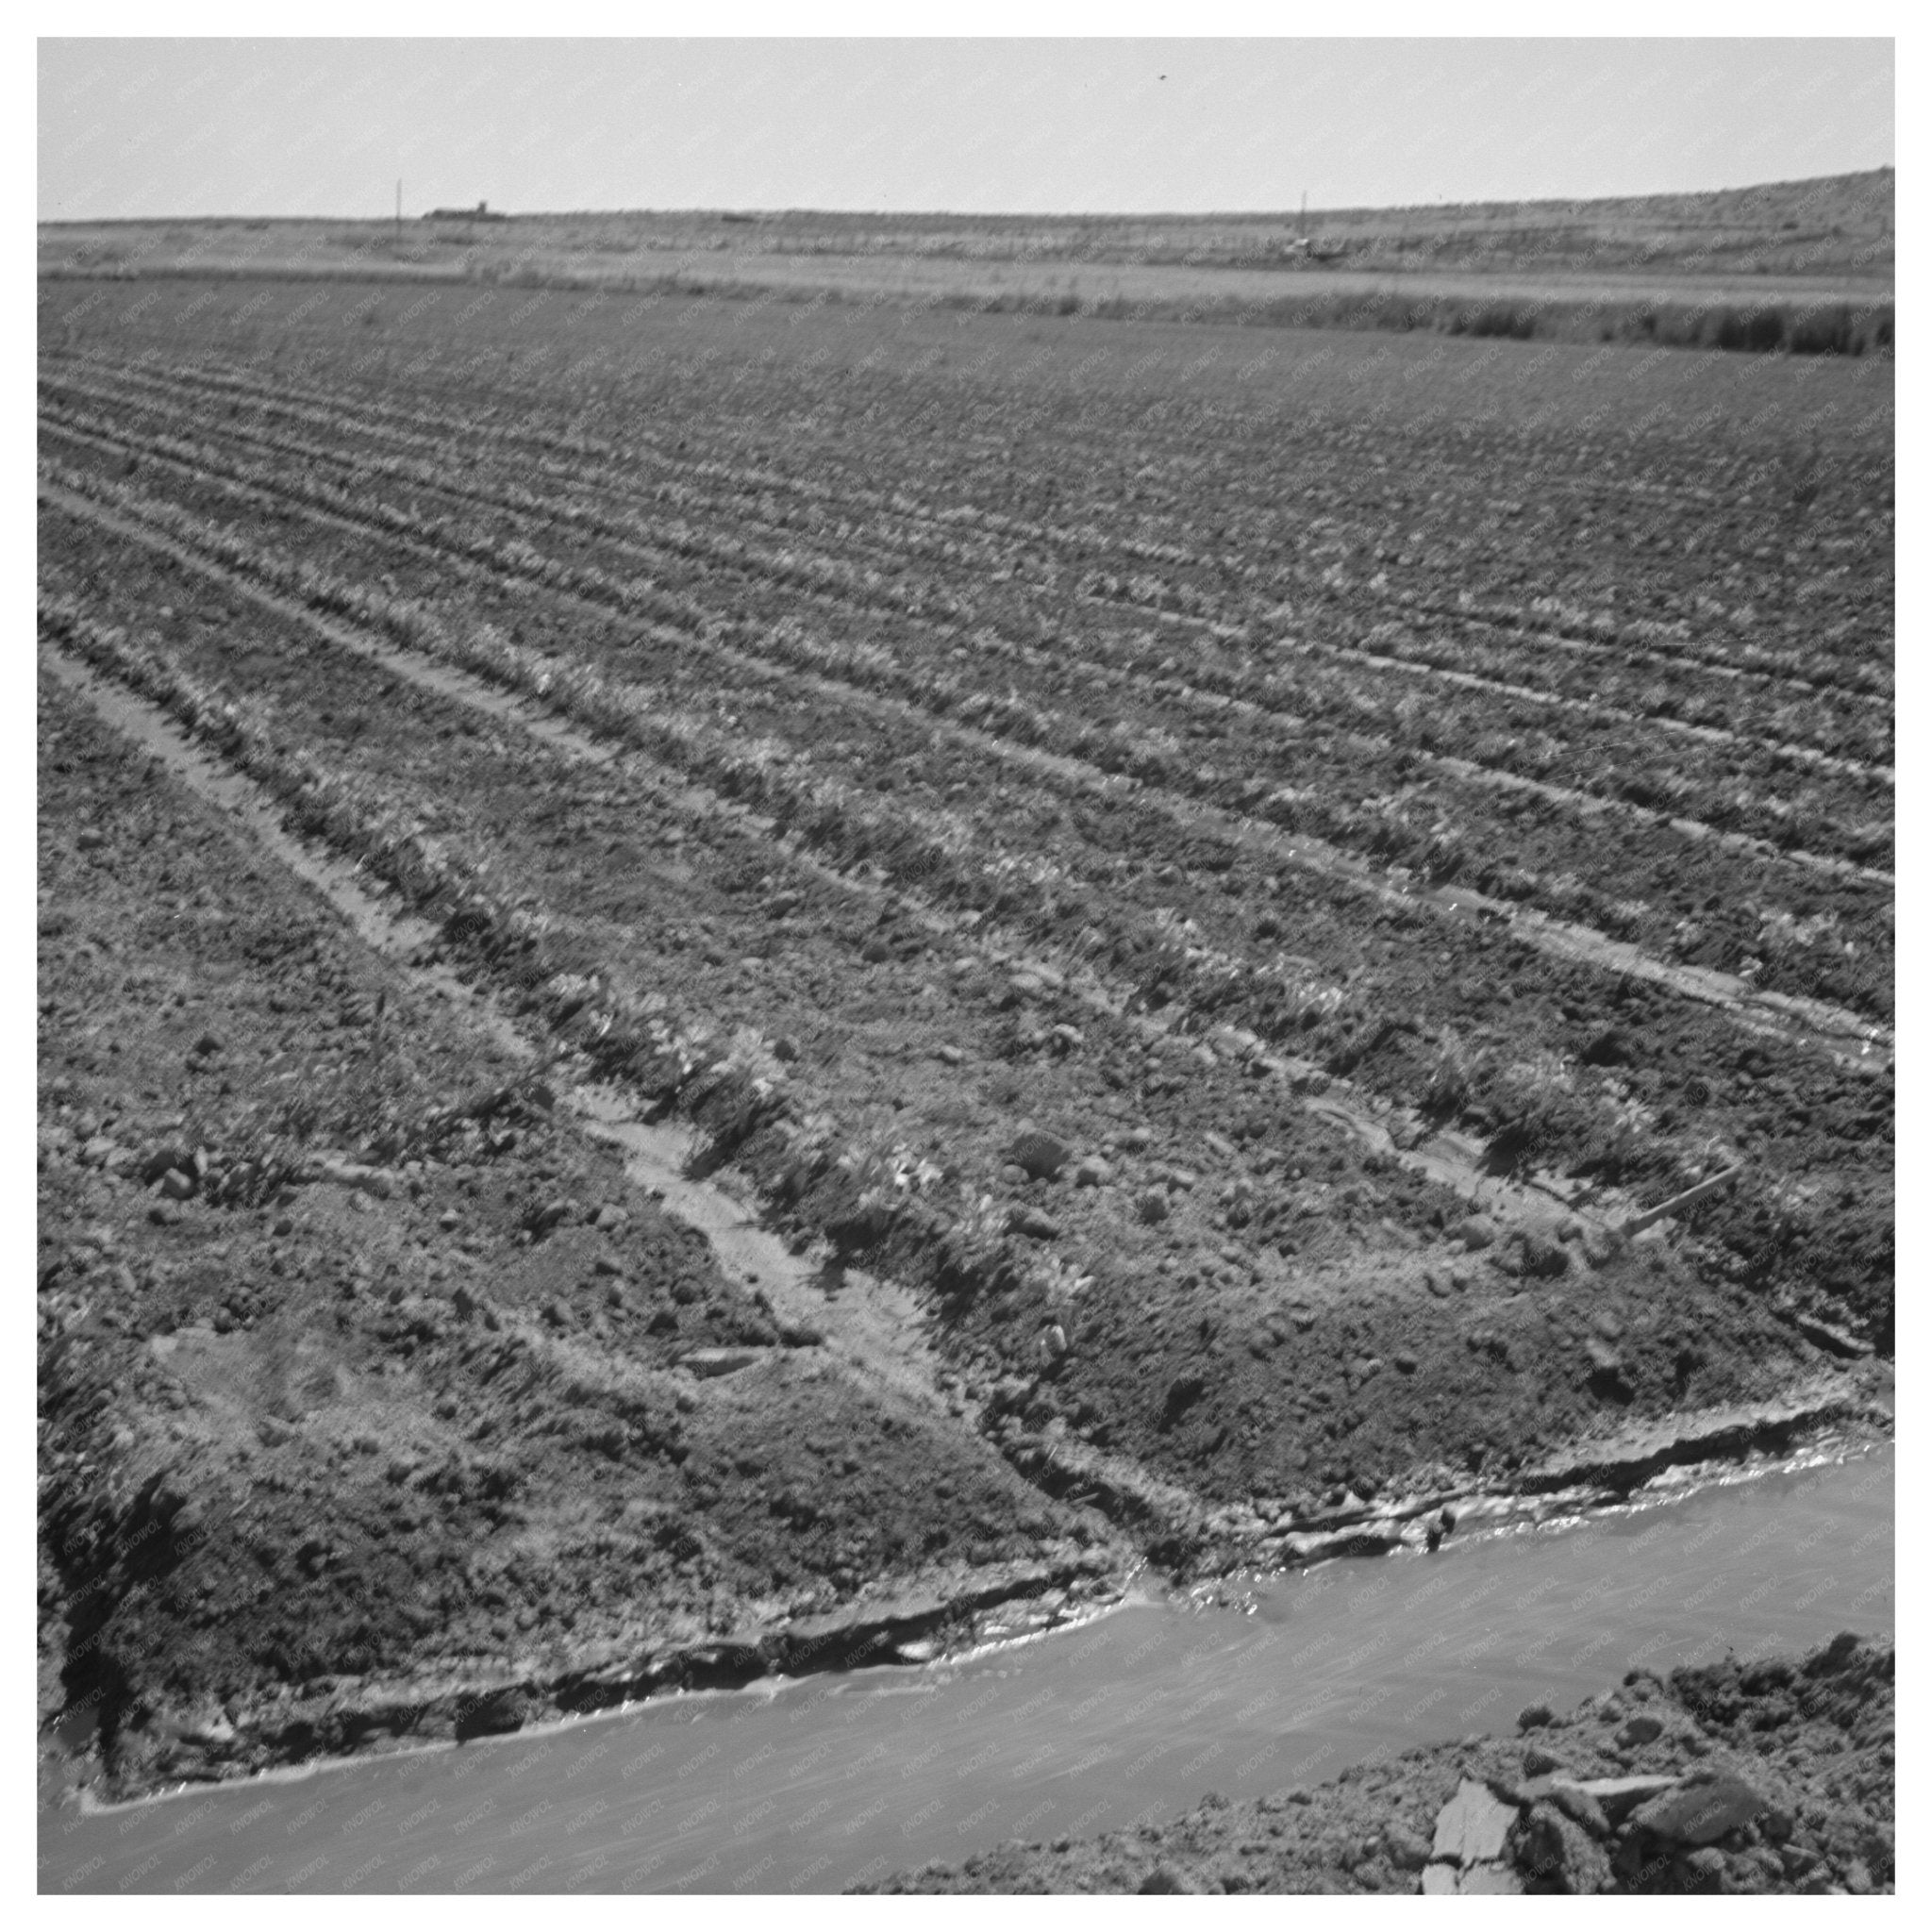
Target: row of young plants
{"type": "Point", "coordinates": [1754, 801]}
{"type": "Point", "coordinates": [868, 1196]}
{"type": "Point", "coordinates": [532, 403]}
{"type": "Point", "coordinates": [820, 1181]}
{"type": "Point", "coordinates": [1712, 705]}
{"type": "Point", "coordinates": [888, 516]}
{"type": "Point", "coordinates": [1820, 622]}
{"type": "Point", "coordinates": [651, 470]}
{"type": "Point", "coordinates": [878, 528]}
{"type": "Point", "coordinates": [1552, 1119]}
{"type": "Point", "coordinates": [1392, 825]}
{"type": "Point", "coordinates": [1451, 831]}
{"type": "Point", "coordinates": [732, 1086]}
{"type": "Point", "coordinates": [890, 528]}
{"type": "Point", "coordinates": [1845, 734]}
{"type": "Point", "coordinates": [679, 552]}
{"type": "Point", "coordinates": [1851, 736]}
{"type": "Point", "coordinates": [1798, 673]}
{"type": "Point", "coordinates": [952, 856]}
{"type": "Point", "coordinates": [1514, 516]}
{"type": "Point", "coordinates": [1683, 804]}
{"type": "Point", "coordinates": [626, 467]}
{"type": "Point", "coordinates": [1589, 1107]}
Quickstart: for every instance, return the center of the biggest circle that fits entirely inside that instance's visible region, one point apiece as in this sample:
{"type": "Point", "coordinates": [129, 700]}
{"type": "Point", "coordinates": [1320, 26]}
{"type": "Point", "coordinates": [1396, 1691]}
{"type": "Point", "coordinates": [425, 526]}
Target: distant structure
{"type": "Point", "coordinates": [1312, 248]}
{"type": "Point", "coordinates": [1309, 246]}
{"type": "Point", "coordinates": [481, 212]}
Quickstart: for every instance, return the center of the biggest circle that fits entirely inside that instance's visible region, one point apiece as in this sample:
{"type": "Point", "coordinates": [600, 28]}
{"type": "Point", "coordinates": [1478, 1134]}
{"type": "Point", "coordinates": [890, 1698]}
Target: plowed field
{"type": "Point", "coordinates": [1230, 875]}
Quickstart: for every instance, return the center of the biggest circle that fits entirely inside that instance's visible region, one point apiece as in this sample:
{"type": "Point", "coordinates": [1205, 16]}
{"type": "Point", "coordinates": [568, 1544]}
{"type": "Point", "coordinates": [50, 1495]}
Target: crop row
{"type": "Point", "coordinates": [1801, 675]}
{"type": "Point", "coordinates": [1840, 731]}
{"type": "Point", "coordinates": [870, 667]}
{"type": "Point", "coordinates": [863, 1188]}
{"type": "Point", "coordinates": [1194, 577]}
{"type": "Point", "coordinates": [1390, 779]}
{"type": "Point", "coordinates": [649, 468]}
{"type": "Point", "coordinates": [1623, 767]}
{"type": "Point", "coordinates": [995, 1288]}
{"type": "Point", "coordinates": [1454, 829]}
{"type": "Point", "coordinates": [1566, 1109]}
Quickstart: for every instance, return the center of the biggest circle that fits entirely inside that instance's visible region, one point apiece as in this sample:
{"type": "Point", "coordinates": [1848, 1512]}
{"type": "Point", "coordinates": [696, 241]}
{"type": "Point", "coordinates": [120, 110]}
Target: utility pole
{"type": "Point", "coordinates": [399, 214]}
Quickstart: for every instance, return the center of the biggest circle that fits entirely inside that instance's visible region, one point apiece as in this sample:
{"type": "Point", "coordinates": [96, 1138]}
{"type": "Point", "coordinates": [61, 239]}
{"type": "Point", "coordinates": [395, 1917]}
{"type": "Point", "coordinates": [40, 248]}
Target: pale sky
{"type": "Point", "coordinates": [130, 127]}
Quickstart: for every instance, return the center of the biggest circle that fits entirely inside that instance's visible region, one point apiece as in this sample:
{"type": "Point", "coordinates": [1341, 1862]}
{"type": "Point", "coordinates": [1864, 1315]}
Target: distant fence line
{"type": "Point", "coordinates": [1825, 327]}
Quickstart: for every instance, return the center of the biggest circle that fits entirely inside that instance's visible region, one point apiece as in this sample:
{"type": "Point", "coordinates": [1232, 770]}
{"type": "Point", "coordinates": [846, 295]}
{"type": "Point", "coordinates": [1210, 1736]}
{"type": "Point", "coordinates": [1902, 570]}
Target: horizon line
{"type": "Point", "coordinates": [783, 212]}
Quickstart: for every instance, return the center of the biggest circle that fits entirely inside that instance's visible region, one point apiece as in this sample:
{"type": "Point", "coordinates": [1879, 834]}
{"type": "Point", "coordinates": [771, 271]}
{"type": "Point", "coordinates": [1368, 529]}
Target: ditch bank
{"type": "Point", "coordinates": [1121, 1727]}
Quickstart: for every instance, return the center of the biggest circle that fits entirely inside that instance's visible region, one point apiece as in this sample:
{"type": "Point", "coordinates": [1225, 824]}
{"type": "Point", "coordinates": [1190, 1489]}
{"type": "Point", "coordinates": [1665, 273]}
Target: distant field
{"type": "Point", "coordinates": [601, 339]}
{"type": "Point", "coordinates": [1806, 266]}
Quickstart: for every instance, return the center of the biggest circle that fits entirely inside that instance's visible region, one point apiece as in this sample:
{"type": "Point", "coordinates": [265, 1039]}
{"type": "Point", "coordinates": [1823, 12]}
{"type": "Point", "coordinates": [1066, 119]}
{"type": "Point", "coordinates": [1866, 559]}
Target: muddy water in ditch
{"type": "Point", "coordinates": [815, 1785]}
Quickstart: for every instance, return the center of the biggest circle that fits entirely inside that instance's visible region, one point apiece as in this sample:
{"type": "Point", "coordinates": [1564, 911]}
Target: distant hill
{"type": "Point", "coordinates": [1862, 202]}
{"type": "Point", "coordinates": [1820, 227]}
